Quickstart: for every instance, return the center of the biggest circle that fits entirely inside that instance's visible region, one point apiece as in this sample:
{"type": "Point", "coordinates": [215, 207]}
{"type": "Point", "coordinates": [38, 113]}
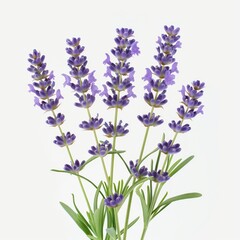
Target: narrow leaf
{"type": "Point", "coordinates": [76, 219]}
{"type": "Point", "coordinates": [181, 197]}
{"type": "Point", "coordinates": [181, 165]}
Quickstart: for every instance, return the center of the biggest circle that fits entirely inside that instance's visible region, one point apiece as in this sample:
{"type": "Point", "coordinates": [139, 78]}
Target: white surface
{"type": "Point", "coordinates": [30, 193]}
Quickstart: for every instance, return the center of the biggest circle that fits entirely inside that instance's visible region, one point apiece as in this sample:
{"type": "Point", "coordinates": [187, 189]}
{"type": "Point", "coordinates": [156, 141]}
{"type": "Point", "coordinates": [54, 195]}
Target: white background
{"type": "Point", "coordinates": [30, 192]}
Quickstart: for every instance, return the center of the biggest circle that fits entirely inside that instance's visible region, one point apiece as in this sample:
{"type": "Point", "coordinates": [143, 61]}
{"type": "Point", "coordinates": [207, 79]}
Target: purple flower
{"type": "Point", "coordinates": [66, 139]}
{"type": "Point", "coordinates": [76, 167]}
{"type": "Point", "coordinates": [159, 176]}
{"type": "Point", "coordinates": [177, 127]}
{"type": "Point", "coordinates": [150, 119]}
{"type": "Point", "coordinates": [55, 121]}
{"type": "Point", "coordinates": [84, 86]}
{"type": "Point", "coordinates": [119, 131]}
{"type": "Point", "coordinates": [84, 101]}
{"type": "Point", "coordinates": [114, 102]}
{"type": "Point", "coordinates": [120, 73]}
{"type": "Point", "coordinates": [155, 102]}
{"type": "Point", "coordinates": [161, 76]}
{"type": "Point", "coordinates": [138, 173]}
{"type": "Point", "coordinates": [190, 95]}
{"type": "Point", "coordinates": [113, 200]}
{"type": "Point", "coordinates": [93, 123]}
{"type": "Point", "coordinates": [47, 98]}
{"type": "Point", "coordinates": [169, 148]}
{"type": "Point", "coordinates": [101, 149]}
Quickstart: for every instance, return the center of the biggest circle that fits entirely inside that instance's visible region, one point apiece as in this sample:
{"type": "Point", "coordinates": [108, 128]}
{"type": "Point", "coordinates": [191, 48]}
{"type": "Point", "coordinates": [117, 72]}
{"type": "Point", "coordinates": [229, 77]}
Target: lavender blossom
{"type": "Point", "coordinates": [150, 120]}
{"type": "Point", "coordinates": [138, 173]}
{"type": "Point", "coordinates": [113, 200]}
{"type": "Point", "coordinates": [101, 149]}
{"type": "Point", "coordinates": [66, 139]}
{"type": "Point", "coordinates": [84, 86]}
{"type": "Point", "coordinates": [169, 147]}
{"type": "Point", "coordinates": [156, 102]}
{"type": "Point", "coordinates": [159, 176]}
{"type": "Point", "coordinates": [120, 73]}
{"type": "Point", "coordinates": [177, 127]}
{"type": "Point", "coordinates": [190, 95]}
{"type": "Point", "coordinates": [47, 98]}
{"type": "Point", "coordinates": [76, 167]}
{"type": "Point", "coordinates": [56, 121]}
{"type": "Point", "coordinates": [93, 123]}
{"type": "Point", "coordinates": [167, 66]}
{"type": "Point", "coordinates": [119, 131]}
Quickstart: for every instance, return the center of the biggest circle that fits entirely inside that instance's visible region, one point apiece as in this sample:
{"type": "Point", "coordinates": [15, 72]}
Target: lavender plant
{"type": "Point", "coordinates": [146, 175]}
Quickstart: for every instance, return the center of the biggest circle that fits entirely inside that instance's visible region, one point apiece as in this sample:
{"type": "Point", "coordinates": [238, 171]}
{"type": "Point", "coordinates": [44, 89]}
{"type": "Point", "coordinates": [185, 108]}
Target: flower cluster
{"type": "Point", "coordinates": [47, 98]}
{"type": "Point", "coordinates": [84, 86]}
{"type": "Point", "coordinates": [142, 172]}
{"type": "Point", "coordinates": [121, 74]}
{"type": "Point", "coordinates": [74, 167]}
{"type": "Point", "coordinates": [101, 149]}
{"type": "Point", "coordinates": [158, 176]}
{"type": "Point", "coordinates": [113, 200]}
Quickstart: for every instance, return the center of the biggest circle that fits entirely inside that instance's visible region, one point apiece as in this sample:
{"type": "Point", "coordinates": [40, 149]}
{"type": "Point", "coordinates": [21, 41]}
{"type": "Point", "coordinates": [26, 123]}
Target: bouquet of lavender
{"type": "Point", "coordinates": [145, 176]}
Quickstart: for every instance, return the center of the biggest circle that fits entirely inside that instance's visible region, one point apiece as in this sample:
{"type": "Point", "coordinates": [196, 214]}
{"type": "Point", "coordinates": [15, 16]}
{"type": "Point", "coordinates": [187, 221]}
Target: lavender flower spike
{"type": "Point", "coordinates": [120, 130]}
{"type": "Point", "coordinates": [84, 86]}
{"type": "Point", "coordinates": [102, 149]}
{"type": "Point", "coordinates": [150, 120]}
{"type": "Point", "coordinates": [67, 139]}
{"type": "Point", "coordinates": [169, 148]}
{"type": "Point", "coordinates": [121, 74]}
{"type": "Point", "coordinates": [93, 123]}
{"type": "Point", "coordinates": [138, 173]}
{"type": "Point", "coordinates": [159, 176]}
{"type": "Point", "coordinates": [47, 98]}
{"type": "Point", "coordinates": [113, 200]}
{"type": "Point", "coordinates": [76, 167]}
{"type": "Point", "coordinates": [177, 127]}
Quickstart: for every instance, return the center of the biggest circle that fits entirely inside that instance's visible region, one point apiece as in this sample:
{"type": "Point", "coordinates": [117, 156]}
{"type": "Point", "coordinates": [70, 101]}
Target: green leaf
{"type": "Point", "coordinates": [181, 197]}
{"type": "Point", "coordinates": [180, 166]}
{"type": "Point", "coordinates": [81, 217]}
{"type": "Point", "coordinates": [144, 205]}
{"type": "Point", "coordinates": [75, 174]}
{"type": "Point", "coordinates": [174, 165]}
{"type": "Point", "coordinates": [76, 219]}
{"type": "Point", "coordinates": [130, 224]}
{"type": "Point", "coordinates": [112, 233]}
{"type": "Point", "coordinates": [96, 196]}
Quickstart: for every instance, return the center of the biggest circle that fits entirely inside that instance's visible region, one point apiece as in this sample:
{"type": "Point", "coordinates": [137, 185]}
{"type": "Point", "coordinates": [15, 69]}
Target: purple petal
{"type": "Point", "coordinates": [169, 78]}
{"type": "Point", "coordinates": [108, 72]}
{"type": "Point", "coordinates": [91, 78]}
{"type": "Point", "coordinates": [182, 91]}
{"type": "Point", "coordinates": [130, 92]}
{"type": "Point", "coordinates": [107, 61]}
{"type": "Point", "coordinates": [36, 101]}
{"type": "Point", "coordinates": [159, 41]}
{"type": "Point", "coordinates": [105, 91]}
{"type": "Point", "coordinates": [200, 110]}
{"type": "Point", "coordinates": [174, 68]}
{"type": "Point", "coordinates": [31, 88]}
{"type": "Point", "coordinates": [148, 76]}
{"type": "Point", "coordinates": [58, 94]}
{"type": "Point", "coordinates": [135, 48]}
{"type": "Point", "coordinates": [67, 80]}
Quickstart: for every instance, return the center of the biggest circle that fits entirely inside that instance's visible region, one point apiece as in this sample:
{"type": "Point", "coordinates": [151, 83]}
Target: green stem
{"type": "Point", "coordinates": [97, 142]}
{"type": "Point", "coordinates": [72, 161]}
{"type": "Point", "coordinates": [114, 145]}
{"type": "Point", "coordinates": [139, 162]}
{"type": "Point", "coordinates": [117, 224]}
